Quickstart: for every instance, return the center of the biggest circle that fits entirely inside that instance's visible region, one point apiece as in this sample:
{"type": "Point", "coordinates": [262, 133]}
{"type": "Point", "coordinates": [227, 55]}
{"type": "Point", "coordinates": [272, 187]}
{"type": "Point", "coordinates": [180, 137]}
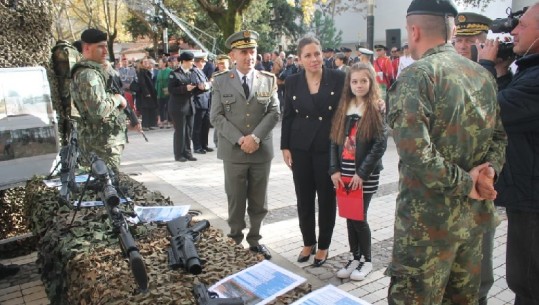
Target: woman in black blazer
{"type": "Point", "coordinates": [311, 98]}
{"type": "Point", "coordinates": [147, 97]}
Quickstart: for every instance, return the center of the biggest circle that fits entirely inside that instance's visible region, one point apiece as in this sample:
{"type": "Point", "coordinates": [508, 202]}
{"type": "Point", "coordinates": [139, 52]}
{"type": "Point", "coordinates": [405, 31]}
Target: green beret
{"type": "Point", "coordinates": [432, 7]}
{"type": "Point", "coordinates": [93, 36]}
{"type": "Point", "coordinates": [471, 24]}
{"type": "Point", "coordinates": [242, 40]}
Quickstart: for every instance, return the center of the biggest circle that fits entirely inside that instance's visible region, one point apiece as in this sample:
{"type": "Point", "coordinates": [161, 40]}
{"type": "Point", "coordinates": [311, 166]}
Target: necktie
{"type": "Point", "coordinates": [245, 86]}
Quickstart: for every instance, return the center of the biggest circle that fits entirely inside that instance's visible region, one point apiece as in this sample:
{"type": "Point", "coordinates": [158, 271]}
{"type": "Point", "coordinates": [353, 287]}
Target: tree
{"type": "Point", "coordinates": [74, 16]}
{"type": "Point", "coordinates": [227, 14]}
{"type": "Point", "coordinates": [324, 29]}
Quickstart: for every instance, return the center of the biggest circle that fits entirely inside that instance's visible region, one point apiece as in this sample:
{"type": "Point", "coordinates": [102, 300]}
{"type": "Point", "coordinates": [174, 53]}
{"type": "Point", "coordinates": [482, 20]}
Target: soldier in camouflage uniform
{"type": "Point", "coordinates": [102, 122]}
{"type": "Point", "coordinates": [447, 129]}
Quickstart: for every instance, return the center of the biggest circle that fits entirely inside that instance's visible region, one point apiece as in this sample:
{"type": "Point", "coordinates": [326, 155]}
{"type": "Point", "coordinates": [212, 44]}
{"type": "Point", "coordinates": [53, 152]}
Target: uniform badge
{"type": "Point", "coordinates": [263, 94]}
{"type": "Point", "coordinates": [227, 108]}
{"type": "Point", "coordinates": [462, 18]}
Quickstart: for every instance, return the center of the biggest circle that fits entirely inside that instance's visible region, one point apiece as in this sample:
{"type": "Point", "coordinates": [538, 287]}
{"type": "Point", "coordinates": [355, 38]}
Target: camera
{"type": "Point", "coordinates": [506, 25]}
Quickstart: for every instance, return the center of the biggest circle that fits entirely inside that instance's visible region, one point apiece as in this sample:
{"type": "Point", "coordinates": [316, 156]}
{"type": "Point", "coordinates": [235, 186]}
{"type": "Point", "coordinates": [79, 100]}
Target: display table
{"type": "Point", "coordinates": [82, 262]}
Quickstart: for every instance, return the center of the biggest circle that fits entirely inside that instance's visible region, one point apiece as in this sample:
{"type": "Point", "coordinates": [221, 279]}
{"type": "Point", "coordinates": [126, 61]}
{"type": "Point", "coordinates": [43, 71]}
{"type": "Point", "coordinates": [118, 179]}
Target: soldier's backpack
{"type": "Point", "coordinates": [64, 57]}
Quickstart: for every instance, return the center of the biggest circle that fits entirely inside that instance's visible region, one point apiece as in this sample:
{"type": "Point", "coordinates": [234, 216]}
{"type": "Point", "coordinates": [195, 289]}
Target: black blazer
{"type": "Point", "coordinates": [180, 99]}
{"type": "Point", "coordinates": [307, 120]}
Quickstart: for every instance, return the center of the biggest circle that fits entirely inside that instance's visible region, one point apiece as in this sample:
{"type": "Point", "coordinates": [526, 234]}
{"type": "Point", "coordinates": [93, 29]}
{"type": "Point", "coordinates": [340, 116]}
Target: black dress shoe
{"type": "Point", "coordinates": [208, 149]}
{"type": "Point", "coordinates": [190, 158]}
{"type": "Point", "coordinates": [319, 262]}
{"type": "Point", "coordinates": [181, 159]}
{"type": "Point", "coordinates": [262, 250]}
{"type": "Point", "coordinates": [304, 258]}
{"type": "Point", "coordinates": [200, 151]}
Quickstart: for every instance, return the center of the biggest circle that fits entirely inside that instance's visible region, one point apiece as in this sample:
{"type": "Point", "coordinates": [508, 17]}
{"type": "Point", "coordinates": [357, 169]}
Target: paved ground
{"type": "Point", "coordinates": [201, 185]}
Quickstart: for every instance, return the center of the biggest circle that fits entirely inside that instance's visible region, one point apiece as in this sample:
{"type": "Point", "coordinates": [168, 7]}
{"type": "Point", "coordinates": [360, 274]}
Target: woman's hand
{"type": "Point", "coordinates": [336, 179]}
{"type": "Point", "coordinates": [356, 182]}
{"type": "Point", "coordinates": [287, 157]}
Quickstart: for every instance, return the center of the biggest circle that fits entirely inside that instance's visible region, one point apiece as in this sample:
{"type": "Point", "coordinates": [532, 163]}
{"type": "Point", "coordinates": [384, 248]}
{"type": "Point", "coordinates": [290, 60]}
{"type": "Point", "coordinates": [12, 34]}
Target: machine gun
{"type": "Point", "coordinates": [182, 252]}
{"type": "Point", "coordinates": [205, 297]}
{"type": "Point", "coordinates": [104, 187]}
{"type": "Point", "coordinates": [69, 157]}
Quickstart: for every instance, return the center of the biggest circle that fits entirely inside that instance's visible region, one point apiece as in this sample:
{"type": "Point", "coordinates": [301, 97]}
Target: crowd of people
{"type": "Point", "coordinates": [464, 127]}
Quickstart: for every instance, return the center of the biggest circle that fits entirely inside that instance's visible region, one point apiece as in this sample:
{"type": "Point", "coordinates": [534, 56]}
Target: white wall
{"type": "Point", "coordinates": [391, 14]}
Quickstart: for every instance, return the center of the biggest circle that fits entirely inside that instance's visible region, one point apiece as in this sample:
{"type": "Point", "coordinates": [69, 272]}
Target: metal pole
{"type": "Point", "coordinates": [370, 25]}
{"type": "Point", "coordinates": [165, 39]}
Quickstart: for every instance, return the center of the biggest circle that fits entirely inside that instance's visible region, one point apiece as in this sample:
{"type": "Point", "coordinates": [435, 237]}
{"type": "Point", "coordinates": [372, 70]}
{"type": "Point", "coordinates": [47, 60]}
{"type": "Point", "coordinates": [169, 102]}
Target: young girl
{"type": "Point", "coordinates": [358, 142]}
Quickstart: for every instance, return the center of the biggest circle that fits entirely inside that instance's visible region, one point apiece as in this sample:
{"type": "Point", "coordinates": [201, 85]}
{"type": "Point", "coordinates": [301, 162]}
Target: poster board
{"type": "Point", "coordinates": [29, 139]}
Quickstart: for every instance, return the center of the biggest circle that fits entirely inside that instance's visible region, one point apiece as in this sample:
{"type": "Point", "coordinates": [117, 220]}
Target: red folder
{"type": "Point", "coordinates": [350, 203]}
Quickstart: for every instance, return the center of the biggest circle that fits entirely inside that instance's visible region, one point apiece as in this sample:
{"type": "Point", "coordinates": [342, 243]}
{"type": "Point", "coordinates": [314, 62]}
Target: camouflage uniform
{"type": "Point", "coordinates": [102, 124]}
{"type": "Point", "coordinates": [445, 121]}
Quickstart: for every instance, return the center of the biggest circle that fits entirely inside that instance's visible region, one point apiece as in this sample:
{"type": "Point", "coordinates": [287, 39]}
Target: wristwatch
{"type": "Point", "coordinates": [257, 139]}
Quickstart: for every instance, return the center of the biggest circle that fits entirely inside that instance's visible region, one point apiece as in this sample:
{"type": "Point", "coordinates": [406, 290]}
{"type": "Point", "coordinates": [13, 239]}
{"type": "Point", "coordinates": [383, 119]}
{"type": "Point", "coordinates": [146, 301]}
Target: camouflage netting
{"type": "Point", "coordinates": [26, 41]}
{"type": "Point", "coordinates": [83, 264]}
{"type": "Point", "coordinates": [12, 213]}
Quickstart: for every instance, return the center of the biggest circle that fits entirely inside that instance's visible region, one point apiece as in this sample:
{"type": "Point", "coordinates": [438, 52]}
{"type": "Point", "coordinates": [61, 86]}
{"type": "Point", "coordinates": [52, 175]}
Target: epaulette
{"type": "Point", "coordinates": [220, 73]}
{"type": "Point", "coordinates": [267, 73]}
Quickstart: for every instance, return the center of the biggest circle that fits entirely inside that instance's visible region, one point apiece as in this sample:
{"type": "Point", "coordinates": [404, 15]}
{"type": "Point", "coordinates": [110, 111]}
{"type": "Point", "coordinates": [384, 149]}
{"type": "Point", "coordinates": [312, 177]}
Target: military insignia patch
{"type": "Point", "coordinates": [462, 18]}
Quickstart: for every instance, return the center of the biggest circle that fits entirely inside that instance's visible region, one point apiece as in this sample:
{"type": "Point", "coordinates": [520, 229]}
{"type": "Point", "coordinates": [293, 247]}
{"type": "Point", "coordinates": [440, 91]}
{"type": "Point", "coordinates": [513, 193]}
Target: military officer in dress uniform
{"type": "Point", "coordinates": [245, 108]}
{"type": "Point", "coordinates": [471, 28]}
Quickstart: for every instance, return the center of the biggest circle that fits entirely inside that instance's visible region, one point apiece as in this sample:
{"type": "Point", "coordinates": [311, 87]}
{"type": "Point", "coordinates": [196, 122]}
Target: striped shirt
{"type": "Point", "coordinates": [348, 164]}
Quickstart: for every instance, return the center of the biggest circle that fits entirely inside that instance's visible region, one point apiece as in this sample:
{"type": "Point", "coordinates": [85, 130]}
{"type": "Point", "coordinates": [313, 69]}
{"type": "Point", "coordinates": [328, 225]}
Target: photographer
{"type": "Point", "coordinates": [518, 183]}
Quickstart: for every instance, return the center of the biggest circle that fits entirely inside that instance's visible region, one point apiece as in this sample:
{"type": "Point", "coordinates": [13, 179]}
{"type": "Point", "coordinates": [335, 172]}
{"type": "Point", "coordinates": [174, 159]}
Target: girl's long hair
{"type": "Point", "coordinates": [371, 123]}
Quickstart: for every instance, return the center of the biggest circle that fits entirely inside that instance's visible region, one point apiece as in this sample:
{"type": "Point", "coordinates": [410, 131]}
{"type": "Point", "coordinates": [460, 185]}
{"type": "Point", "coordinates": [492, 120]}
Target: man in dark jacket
{"type": "Point", "coordinates": [518, 184]}
{"type": "Point", "coordinates": [181, 108]}
{"type": "Point", "coordinates": [201, 98]}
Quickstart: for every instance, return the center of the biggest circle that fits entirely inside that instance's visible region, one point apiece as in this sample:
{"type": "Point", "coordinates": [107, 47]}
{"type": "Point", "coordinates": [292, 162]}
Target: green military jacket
{"type": "Point", "coordinates": [102, 124]}
{"type": "Point", "coordinates": [445, 120]}
{"type": "Point", "coordinates": [234, 115]}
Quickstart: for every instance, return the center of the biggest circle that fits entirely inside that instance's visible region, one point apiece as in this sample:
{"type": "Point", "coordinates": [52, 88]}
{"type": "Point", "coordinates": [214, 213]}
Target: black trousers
{"type": "Point", "coordinates": [163, 108]}
{"type": "Point", "coordinates": [311, 179]}
{"type": "Point", "coordinates": [522, 260]}
{"type": "Point", "coordinates": [359, 233]}
{"type": "Point", "coordinates": [183, 130]}
{"type": "Point", "coordinates": [149, 117]}
{"type": "Point", "coordinates": [201, 128]}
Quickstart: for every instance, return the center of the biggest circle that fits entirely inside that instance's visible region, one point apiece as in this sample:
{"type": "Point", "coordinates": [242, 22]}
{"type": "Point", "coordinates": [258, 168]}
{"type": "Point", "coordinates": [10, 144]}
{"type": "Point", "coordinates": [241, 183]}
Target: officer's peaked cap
{"type": "Point", "coordinates": [471, 24]}
{"type": "Point", "coordinates": [242, 40]}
